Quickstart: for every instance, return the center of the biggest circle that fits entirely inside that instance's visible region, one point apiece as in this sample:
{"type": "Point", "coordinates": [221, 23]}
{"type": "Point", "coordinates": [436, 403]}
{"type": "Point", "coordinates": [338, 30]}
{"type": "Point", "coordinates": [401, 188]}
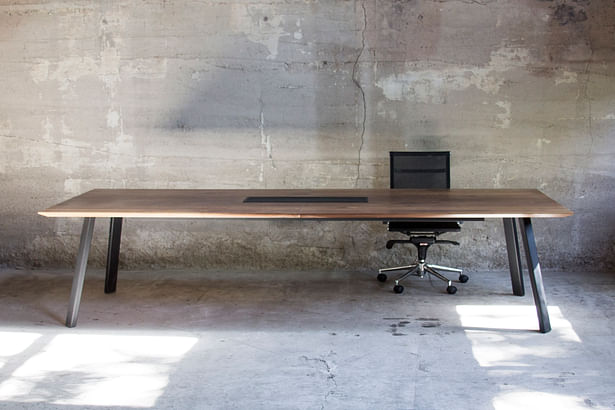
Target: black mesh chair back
{"type": "Point", "coordinates": [420, 170]}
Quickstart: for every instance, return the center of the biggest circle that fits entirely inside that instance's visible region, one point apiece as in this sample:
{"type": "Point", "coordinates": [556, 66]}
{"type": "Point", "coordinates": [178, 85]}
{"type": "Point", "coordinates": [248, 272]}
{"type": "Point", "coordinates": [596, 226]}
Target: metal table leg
{"type": "Point", "coordinates": [113, 254]}
{"type": "Point", "coordinates": [514, 256]}
{"type": "Point", "coordinates": [80, 268]}
{"type": "Point", "coordinates": [529, 244]}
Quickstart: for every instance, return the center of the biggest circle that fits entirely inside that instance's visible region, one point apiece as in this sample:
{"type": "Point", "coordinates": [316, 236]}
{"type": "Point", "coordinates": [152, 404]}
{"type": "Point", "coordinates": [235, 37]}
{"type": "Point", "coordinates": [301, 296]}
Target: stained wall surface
{"type": "Point", "coordinates": [302, 94]}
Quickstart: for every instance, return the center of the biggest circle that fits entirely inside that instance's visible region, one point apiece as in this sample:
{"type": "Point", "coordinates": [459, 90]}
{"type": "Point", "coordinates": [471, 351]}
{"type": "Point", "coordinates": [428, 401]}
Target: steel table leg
{"type": "Point", "coordinates": [113, 254]}
{"type": "Point", "coordinates": [514, 256]}
{"type": "Point", "coordinates": [540, 300]}
{"type": "Point", "coordinates": [80, 268]}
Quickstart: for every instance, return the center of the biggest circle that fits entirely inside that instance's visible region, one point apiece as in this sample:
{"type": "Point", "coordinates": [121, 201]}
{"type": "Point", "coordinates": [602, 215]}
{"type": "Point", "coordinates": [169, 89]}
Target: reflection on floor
{"type": "Point", "coordinates": [285, 340]}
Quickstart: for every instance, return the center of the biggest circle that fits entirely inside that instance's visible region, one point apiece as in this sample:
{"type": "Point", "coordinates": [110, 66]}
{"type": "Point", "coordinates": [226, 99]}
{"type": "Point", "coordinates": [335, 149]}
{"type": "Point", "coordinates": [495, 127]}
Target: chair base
{"type": "Point", "coordinates": [419, 269]}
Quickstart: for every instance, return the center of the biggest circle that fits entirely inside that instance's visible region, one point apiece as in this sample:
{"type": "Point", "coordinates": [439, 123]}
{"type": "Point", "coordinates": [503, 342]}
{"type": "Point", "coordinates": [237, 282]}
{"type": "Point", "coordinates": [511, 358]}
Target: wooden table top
{"type": "Point", "coordinates": [381, 204]}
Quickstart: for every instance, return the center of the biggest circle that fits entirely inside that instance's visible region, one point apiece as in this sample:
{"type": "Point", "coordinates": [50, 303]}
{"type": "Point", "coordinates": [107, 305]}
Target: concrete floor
{"type": "Point", "coordinates": [308, 340]}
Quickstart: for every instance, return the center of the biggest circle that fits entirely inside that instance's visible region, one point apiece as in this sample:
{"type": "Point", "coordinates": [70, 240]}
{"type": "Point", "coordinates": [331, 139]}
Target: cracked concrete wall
{"type": "Point", "coordinates": [294, 93]}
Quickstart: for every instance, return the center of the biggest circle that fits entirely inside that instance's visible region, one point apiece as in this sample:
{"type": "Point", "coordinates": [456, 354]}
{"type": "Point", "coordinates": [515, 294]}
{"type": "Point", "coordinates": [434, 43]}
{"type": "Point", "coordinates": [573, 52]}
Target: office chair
{"type": "Point", "coordinates": [421, 170]}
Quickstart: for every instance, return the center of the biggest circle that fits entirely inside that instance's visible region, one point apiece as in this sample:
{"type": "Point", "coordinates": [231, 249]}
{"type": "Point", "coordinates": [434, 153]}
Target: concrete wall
{"type": "Point", "coordinates": [303, 93]}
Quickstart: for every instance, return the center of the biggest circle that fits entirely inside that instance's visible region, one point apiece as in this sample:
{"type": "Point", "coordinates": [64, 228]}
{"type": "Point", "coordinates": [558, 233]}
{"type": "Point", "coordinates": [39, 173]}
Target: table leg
{"type": "Point", "coordinates": [79, 277]}
{"type": "Point", "coordinates": [529, 244]}
{"type": "Point", "coordinates": [514, 256]}
{"type": "Point", "coordinates": [113, 254]}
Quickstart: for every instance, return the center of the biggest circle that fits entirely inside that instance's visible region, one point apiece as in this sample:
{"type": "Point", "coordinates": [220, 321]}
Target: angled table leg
{"type": "Point", "coordinates": [514, 256]}
{"type": "Point", "coordinates": [80, 268]}
{"type": "Point", "coordinates": [540, 300]}
{"type": "Point", "coordinates": [113, 254]}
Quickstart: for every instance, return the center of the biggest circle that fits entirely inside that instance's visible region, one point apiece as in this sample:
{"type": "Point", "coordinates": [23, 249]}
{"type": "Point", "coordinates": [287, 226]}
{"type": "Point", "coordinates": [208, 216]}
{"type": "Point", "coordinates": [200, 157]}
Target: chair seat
{"type": "Point", "coordinates": [421, 227]}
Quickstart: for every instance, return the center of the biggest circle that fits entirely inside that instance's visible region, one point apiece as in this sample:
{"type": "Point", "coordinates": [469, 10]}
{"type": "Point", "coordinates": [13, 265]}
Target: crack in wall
{"type": "Point", "coordinates": [356, 82]}
{"type": "Point", "coordinates": [584, 94]}
{"type": "Point", "coordinates": [589, 100]}
{"type": "Point", "coordinates": [265, 140]}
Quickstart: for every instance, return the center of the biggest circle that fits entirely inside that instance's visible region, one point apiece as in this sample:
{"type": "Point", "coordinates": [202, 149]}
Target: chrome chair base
{"type": "Point", "coordinates": [419, 269]}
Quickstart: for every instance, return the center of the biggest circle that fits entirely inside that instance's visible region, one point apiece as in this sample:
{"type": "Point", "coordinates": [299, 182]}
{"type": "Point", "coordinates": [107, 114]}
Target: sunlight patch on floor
{"type": "Point", "coordinates": [534, 400]}
{"type": "Point", "coordinates": [501, 317]}
{"type": "Point", "coordinates": [13, 343]}
{"type": "Point", "coordinates": [86, 369]}
{"type": "Point", "coordinates": [499, 337]}
{"type": "Point", "coordinates": [493, 348]}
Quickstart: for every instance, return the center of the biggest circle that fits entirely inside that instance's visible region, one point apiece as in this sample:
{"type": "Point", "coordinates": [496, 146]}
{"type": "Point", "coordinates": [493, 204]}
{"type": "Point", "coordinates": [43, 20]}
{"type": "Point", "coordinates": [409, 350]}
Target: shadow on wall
{"type": "Point", "coordinates": [261, 82]}
{"type": "Point", "coordinates": [290, 86]}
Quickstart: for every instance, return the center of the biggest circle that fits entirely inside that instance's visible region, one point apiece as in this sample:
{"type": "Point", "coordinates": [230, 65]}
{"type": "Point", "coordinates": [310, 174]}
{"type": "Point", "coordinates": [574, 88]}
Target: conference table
{"type": "Point", "coordinates": [516, 207]}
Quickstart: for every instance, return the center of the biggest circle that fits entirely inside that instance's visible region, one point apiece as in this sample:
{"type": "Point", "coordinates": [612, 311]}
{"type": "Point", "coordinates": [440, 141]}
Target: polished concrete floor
{"type": "Point", "coordinates": [304, 340]}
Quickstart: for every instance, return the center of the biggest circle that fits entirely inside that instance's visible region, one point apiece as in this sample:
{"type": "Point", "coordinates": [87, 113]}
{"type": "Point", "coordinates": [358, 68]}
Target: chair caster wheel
{"type": "Point", "coordinates": [451, 290]}
{"type": "Point", "coordinates": [381, 277]}
{"type": "Point", "coordinates": [463, 278]}
{"type": "Point", "coordinates": [398, 288]}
